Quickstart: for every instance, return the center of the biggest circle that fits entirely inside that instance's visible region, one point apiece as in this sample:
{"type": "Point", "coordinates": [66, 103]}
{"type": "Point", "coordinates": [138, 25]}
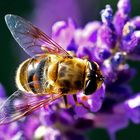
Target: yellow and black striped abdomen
{"type": "Point", "coordinates": [31, 74]}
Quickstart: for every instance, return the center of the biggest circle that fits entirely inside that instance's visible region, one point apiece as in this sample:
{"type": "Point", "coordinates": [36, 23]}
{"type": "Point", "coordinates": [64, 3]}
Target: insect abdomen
{"type": "Point", "coordinates": [30, 75]}
{"type": "Point", "coordinates": [21, 76]}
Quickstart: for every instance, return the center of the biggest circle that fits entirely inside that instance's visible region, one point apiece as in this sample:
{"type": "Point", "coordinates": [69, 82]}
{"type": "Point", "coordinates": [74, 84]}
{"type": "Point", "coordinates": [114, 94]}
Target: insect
{"type": "Point", "coordinates": [50, 72]}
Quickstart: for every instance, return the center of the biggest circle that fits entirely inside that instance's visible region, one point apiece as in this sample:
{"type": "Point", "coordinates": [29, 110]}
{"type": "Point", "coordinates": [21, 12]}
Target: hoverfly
{"type": "Point", "coordinates": [50, 72]}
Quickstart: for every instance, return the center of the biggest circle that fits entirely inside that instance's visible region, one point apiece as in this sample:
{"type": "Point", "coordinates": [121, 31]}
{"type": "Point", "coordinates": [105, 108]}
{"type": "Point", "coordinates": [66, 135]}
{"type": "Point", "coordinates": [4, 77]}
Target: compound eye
{"type": "Point", "coordinates": [93, 66]}
{"type": "Point", "coordinates": [91, 87]}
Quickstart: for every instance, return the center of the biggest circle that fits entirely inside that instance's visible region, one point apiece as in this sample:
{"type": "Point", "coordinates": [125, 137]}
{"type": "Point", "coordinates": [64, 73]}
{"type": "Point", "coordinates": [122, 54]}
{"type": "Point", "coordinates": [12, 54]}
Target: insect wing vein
{"type": "Point", "coordinates": [20, 104]}
{"type": "Point", "coordinates": [30, 38]}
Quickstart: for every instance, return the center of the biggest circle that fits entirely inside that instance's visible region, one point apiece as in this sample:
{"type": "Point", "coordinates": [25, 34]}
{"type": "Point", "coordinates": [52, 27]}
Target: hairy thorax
{"type": "Point", "coordinates": [69, 75]}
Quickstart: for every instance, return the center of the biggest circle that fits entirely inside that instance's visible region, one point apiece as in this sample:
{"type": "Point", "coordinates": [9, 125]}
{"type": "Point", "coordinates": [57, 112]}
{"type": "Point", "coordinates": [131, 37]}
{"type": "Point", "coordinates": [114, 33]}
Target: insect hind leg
{"type": "Point", "coordinates": [76, 102]}
{"type": "Point", "coordinates": [66, 101]}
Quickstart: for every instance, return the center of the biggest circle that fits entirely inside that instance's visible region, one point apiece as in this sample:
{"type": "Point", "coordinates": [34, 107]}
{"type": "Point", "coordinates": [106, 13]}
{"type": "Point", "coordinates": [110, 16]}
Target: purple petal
{"type": "Point", "coordinates": [130, 38]}
{"type": "Point", "coordinates": [107, 70]}
{"type": "Point", "coordinates": [47, 133]}
{"type": "Point", "coordinates": [106, 37]}
{"type": "Point", "coordinates": [130, 108]}
{"type": "Point", "coordinates": [32, 122]}
{"type": "Point", "coordinates": [136, 22]}
{"type": "Point", "coordinates": [80, 111]}
{"type": "Point", "coordinates": [96, 99]}
{"type": "Point", "coordinates": [84, 51]}
{"type": "Point", "coordinates": [90, 31]}
{"type": "Point", "coordinates": [10, 131]}
{"type": "Point", "coordinates": [88, 35]}
{"type": "Point", "coordinates": [65, 118]}
{"type": "Point", "coordinates": [104, 53]}
{"type": "Point", "coordinates": [48, 117]}
{"type": "Point", "coordinates": [62, 32]}
{"type": "Point", "coordinates": [100, 54]}
{"type": "Point", "coordinates": [124, 5]}
{"type": "Point", "coordinates": [119, 21]}
{"type": "Point", "coordinates": [106, 34]}
{"type": "Point", "coordinates": [81, 38]}
{"type": "Point", "coordinates": [72, 46]}
{"type": "Point", "coordinates": [135, 55]}
{"type": "Point", "coordinates": [133, 108]}
{"type": "Point", "coordinates": [92, 102]}
{"type": "Point", "coordinates": [106, 15]}
{"type": "Point", "coordinates": [118, 59]}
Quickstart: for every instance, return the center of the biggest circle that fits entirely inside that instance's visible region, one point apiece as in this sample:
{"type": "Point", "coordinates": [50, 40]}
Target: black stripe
{"type": "Point", "coordinates": [40, 72]}
{"type": "Point", "coordinates": [31, 72]}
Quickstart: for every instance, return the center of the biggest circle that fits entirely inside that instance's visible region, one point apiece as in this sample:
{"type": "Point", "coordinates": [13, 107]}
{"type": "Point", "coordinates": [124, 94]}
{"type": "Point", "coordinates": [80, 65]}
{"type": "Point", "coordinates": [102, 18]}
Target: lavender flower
{"type": "Point", "coordinates": [111, 43]}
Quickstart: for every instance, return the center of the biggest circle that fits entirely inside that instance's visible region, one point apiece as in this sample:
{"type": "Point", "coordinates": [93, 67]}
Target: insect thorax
{"type": "Point", "coordinates": [71, 74]}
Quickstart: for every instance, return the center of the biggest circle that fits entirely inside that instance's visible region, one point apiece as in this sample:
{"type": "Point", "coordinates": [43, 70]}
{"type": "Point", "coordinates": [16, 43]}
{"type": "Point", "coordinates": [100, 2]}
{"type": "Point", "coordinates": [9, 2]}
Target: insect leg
{"type": "Point", "coordinates": [75, 99]}
{"type": "Point", "coordinates": [66, 101]}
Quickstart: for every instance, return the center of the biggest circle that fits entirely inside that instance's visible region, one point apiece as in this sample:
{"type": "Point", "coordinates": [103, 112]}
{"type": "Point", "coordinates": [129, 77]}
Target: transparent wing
{"type": "Point", "coordinates": [20, 104]}
{"type": "Point", "coordinates": [30, 38]}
